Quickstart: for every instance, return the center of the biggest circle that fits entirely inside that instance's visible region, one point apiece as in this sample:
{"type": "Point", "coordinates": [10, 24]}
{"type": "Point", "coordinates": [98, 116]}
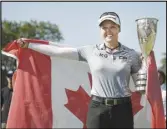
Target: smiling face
{"type": "Point", "coordinates": [109, 31]}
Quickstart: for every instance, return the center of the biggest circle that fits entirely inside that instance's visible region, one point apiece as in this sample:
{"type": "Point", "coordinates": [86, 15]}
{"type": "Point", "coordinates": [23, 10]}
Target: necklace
{"type": "Point", "coordinates": [112, 48]}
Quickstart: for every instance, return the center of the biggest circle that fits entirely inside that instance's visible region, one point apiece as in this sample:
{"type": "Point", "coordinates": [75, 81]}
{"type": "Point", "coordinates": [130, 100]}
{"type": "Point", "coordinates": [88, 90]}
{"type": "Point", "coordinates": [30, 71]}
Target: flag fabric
{"type": "Point", "coordinates": [51, 92]}
{"type": "Point", "coordinates": [154, 95]}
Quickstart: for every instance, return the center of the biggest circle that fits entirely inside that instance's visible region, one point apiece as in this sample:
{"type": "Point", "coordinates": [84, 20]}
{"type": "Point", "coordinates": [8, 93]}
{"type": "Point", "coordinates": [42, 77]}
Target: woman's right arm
{"type": "Point", "coordinates": [57, 51]}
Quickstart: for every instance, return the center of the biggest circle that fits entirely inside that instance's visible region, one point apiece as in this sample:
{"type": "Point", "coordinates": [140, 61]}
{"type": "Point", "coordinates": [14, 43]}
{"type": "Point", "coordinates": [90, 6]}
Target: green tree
{"type": "Point", "coordinates": [12, 30]}
{"type": "Point", "coordinates": [33, 29]}
{"type": "Point", "coordinates": [163, 63]}
{"type": "Point", "coordinates": [163, 60]}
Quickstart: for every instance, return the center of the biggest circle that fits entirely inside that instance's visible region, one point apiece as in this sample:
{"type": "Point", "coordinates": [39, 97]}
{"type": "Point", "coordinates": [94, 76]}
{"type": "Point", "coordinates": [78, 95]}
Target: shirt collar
{"type": "Point", "coordinates": [103, 46]}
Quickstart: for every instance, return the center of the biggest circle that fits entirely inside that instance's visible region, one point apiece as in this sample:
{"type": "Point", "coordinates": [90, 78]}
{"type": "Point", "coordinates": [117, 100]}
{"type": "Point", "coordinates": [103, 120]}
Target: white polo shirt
{"type": "Point", "coordinates": [110, 70]}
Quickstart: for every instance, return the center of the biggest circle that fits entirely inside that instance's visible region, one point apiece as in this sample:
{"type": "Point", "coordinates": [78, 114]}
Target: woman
{"type": "Point", "coordinates": [111, 65]}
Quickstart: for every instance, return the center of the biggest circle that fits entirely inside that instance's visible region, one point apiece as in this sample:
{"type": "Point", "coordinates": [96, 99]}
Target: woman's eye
{"type": "Point", "coordinates": [104, 28]}
{"type": "Point", "coordinates": [113, 27]}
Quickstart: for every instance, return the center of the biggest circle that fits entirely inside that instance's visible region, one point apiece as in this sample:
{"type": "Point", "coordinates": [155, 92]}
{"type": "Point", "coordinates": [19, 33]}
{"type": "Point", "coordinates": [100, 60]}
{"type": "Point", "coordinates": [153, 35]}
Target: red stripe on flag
{"type": "Point", "coordinates": [154, 94]}
{"type": "Point", "coordinates": [31, 105]}
{"type": "Point", "coordinates": [12, 48]}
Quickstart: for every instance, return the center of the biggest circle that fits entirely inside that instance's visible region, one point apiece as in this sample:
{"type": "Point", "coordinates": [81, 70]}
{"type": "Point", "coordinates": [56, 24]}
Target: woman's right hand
{"type": "Point", "coordinates": [22, 43]}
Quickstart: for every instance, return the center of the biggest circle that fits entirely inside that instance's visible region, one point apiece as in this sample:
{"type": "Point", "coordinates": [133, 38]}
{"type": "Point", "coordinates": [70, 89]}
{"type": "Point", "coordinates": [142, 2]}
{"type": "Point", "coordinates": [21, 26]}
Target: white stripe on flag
{"type": "Point", "coordinates": [66, 74]}
{"type": "Point", "coordinates": [8, 54]}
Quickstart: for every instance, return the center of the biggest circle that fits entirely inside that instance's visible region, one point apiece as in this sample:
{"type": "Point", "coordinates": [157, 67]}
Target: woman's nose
{"type": "Point", "coordinates": [108, 30]}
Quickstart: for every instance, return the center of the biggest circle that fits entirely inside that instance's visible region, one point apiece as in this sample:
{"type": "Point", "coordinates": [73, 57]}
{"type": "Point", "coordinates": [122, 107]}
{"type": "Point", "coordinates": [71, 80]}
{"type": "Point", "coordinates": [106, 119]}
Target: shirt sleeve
{"type": "Point", "coordinates": [85, 52]}
{"type": "Point", "coordinates": [136, 62]}
{"type": "Point", "coordinates": [55, 51]}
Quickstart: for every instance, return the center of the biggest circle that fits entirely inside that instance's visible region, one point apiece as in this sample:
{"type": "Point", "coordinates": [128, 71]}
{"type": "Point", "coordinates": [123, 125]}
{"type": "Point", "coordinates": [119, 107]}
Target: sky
{"type": "Point", "coordinates": [78, 21]}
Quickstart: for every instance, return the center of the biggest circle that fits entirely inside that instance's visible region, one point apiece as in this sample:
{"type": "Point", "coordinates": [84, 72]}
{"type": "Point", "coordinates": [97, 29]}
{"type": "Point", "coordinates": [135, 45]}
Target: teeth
{"type": "Point", "coordinates": [109, 37]}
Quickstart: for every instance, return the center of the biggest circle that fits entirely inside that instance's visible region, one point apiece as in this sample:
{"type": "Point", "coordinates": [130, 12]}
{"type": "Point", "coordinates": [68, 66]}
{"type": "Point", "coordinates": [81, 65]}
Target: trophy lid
{"type": "Point", "coordinates": [148, 18]}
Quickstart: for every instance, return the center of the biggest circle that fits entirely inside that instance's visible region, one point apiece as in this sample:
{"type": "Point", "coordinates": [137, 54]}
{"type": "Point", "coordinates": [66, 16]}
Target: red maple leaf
{"type": "Point", "coordinates": [78, 102]}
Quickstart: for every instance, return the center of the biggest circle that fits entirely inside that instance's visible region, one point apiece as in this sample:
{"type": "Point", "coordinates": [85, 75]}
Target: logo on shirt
{"type": "Point", "coordinates": [100, 54]}
{"type": "Point", "coordinates": [123, 58]}
{"type": "Point", "coordinates": [103, 55]}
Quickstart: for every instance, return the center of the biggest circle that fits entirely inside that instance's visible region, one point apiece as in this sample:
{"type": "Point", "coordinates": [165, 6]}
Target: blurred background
{"type": "Point", "coordinates": [76, 24]}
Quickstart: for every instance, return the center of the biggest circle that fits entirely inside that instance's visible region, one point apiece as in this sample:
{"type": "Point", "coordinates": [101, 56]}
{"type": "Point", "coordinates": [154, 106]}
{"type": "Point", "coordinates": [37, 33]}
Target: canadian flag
{"type": "Point", "coordinates": [51, 92]}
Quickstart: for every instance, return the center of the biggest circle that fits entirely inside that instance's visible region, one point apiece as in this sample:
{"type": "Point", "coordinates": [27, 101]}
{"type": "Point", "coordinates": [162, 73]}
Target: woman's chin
{"type": "Point", "coordinates": [108, 41]}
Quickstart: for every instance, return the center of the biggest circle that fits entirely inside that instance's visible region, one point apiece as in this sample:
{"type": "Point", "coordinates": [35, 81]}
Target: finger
{"type": "Point", "coordinates": [22, 43]}
{"type": "Point", "coordinates": [23, 39]}
{"type": "Point", "coordinates": [19, 41]}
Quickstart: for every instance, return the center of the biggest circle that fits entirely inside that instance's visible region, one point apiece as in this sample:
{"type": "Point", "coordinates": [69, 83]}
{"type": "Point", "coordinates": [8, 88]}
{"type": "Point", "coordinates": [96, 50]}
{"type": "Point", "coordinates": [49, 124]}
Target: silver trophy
{"type": "Point", "coordinates": [146, 30]}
